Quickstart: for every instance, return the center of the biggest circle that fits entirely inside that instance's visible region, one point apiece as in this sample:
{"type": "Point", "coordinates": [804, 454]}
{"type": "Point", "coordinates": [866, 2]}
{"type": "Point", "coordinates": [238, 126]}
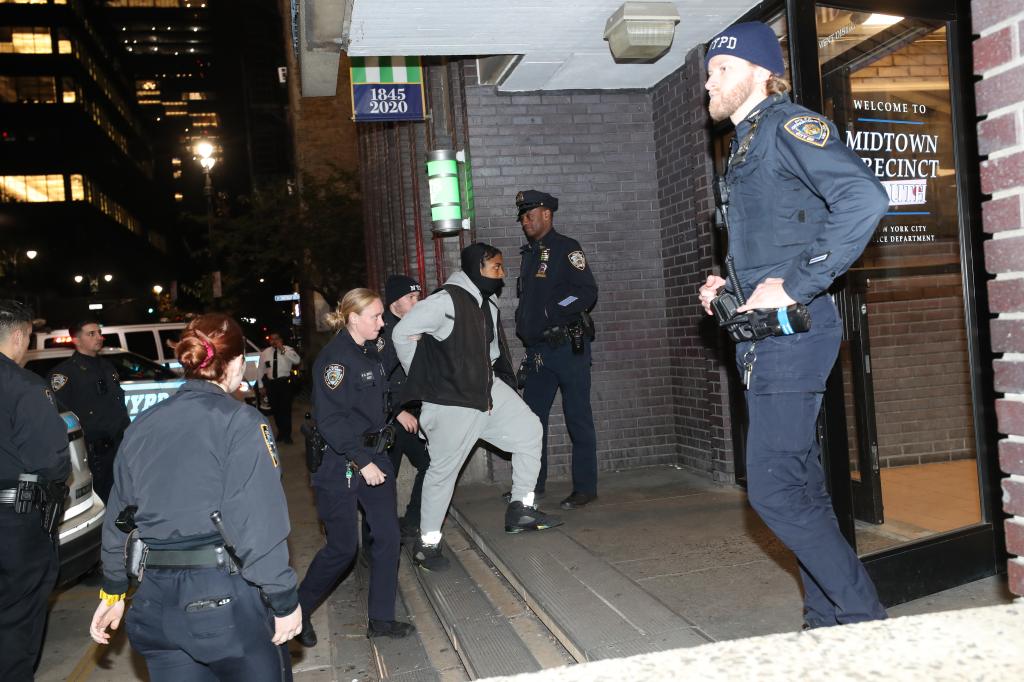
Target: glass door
{"type": "Point", "coordinates": [908, 393]}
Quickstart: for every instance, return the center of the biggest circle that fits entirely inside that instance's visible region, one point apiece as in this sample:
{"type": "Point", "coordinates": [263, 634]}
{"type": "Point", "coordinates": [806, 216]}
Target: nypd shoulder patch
{"type": "Point", "coordinates": [333, 375]}
{"type": "Point", "coordinates": [578, 260]}
{"type": "Point", "coordinates": [268, 438]}
{"type": "Point", "coordinates": [380, 343]}
{"type": "Point", "coordinates": [809, 129]}
{"type": "Point", "coordinates": [58, 381]}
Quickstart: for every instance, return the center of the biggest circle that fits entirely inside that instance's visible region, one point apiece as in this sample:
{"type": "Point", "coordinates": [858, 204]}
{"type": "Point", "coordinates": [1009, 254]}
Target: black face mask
{"type": "Point", "coordinates": [472, 259]}
{"type": "Point", "coordinates": [488, 286]}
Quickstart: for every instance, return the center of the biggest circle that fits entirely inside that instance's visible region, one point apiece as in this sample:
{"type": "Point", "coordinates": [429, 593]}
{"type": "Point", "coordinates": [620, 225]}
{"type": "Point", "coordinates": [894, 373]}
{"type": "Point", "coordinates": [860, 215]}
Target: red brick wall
{"type": "Point", "coordinates": [999, 61]}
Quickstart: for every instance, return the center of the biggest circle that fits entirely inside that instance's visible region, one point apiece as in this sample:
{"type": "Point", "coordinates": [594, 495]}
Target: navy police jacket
{"type": "Point", "coordinates": [349, 397]}
{"type": "Point", "coordinates": [89, 387]}
{"type": "Point", "coordinates": [802, 205]}
{"type": "Point", "coordinates": [198, 452]}
{"type": "Point", "coordinates": [33, 437]}
{"type": "Point", "coordinates": [555, 285]}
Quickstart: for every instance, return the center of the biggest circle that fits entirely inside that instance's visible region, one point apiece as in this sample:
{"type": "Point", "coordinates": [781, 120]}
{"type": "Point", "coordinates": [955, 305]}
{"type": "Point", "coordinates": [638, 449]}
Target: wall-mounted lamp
{"type": "Point", "coordinates": [641, 30]}
{"type": "Point", "coordinates": [445, 195]}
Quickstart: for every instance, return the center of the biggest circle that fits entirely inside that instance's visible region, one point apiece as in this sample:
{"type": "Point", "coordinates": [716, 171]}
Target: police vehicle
{"type": "Point", "coordinates": [145, 383]}
{"type": "Point", "coordinates": [154, 341]}
{"type": "Point", "coordinates": [81, 526]}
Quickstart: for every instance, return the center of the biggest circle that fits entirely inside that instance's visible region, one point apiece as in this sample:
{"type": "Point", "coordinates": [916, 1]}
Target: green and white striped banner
{"type": "Point", "coordinates": [386, 70]}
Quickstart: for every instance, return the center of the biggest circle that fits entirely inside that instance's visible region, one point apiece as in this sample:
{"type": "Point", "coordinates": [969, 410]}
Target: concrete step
{"type": "Point", "coordinates": [594, 610]}
{"type": "Point", "coordinates": [489, 628]}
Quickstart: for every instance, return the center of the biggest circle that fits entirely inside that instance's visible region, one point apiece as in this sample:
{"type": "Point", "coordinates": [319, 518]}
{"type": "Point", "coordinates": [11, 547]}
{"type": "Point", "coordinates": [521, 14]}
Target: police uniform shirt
{"type": "Point", "coordinates": [555, 286]}
{"type": "Point", "coordinates": [89, 387]}
{"type": "Point", "coordinates": [802, 205]}
{"type": "Point", "coordinates": [198, 452]}
{"type": "Point", "coordinates": [287, 359]}
{"type": "Point", "coordinates": [33, 437]}
{"type": "Point", "coordinates": [349, 386]}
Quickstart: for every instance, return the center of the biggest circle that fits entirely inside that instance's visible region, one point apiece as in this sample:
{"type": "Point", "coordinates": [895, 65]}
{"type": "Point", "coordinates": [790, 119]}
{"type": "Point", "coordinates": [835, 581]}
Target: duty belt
{"type": "Point", "coordinates": [203, 557]}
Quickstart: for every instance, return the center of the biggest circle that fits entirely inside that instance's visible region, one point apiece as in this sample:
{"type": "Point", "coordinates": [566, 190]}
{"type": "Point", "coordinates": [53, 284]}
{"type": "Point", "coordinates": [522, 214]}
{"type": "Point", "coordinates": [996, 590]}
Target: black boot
{"type": "Point", "coordinates": [429, 556]}
{"type": "Point", "coordinates": [394, 629]}
{"type": "Point", "coordinates": [519, 517]}
{"type": "Point", "coordinates": [307, 637]}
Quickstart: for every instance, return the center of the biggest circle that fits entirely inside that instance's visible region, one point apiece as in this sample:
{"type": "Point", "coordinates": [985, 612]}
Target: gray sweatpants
{"type": "Point", "coordinates": [453, 431]}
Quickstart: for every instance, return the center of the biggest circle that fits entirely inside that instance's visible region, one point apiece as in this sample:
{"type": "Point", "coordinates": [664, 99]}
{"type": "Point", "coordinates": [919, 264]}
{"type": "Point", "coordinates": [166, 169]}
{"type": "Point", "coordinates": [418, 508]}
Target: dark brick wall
{"type": "Point", "coordinates": [595, 152]}
{"type": "Point", "coordinates": [698, 358]}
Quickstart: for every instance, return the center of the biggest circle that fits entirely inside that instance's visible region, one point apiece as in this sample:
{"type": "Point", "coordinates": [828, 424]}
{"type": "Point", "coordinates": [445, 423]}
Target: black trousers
{"type": "Point", "coordinates": [337, 508]}
{"type": "Point", "coordinates": [100, 453]}
{"type": "Point", "coordinates": [28, 573]}
{"type": "Point", "coordinates": [231, 641]}
{"type": "Point", "coordinates": [279, 394]}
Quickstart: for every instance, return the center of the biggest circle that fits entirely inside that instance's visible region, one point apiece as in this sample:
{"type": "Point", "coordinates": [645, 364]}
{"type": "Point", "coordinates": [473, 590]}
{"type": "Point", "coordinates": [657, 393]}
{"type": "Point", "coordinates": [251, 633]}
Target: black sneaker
{"type": "Point", "coordinates": [389, 628]}
{"type": "Point", "coordinates": [410, 532]}
{"type": "Point", "coordinates": [519, 517]}
{"type": "Point", "coordinates": [429, 557]}
{"type": "Point", "coordinates": [507, 496]}
{"type": "Point", "coordinates": [307, 637]}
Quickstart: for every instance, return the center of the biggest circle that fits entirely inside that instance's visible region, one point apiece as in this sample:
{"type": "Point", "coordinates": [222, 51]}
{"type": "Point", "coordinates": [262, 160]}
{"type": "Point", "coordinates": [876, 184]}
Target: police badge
{"type": "Point", "coordinates": [578, 260]}
{"type": "Point", "coordinates": [57, 381]}
{"type": "Point", "coordinates": [333, 375]}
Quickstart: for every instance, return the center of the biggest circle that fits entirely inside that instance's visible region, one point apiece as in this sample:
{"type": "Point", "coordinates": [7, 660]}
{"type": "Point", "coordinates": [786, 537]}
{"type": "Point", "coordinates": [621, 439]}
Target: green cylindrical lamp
{"type": "Point", "coordinates": [445, 199]}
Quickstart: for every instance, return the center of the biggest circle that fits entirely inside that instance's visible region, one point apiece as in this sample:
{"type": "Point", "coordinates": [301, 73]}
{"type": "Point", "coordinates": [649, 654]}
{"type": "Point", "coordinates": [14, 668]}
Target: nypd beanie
{"type": "Point", "coordinates": [753, 41]}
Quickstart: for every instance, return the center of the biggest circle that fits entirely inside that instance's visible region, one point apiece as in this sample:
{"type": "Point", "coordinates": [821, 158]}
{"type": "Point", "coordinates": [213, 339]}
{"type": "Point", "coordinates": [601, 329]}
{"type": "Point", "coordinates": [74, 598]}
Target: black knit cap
{"type": "Point", "coordinates": [398, 286]}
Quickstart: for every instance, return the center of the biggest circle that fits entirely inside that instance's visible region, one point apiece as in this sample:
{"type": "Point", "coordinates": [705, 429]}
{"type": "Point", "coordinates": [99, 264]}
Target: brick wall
{"type": "Point", "coordinates": [698, 356]}
{"type": "Point", "coordinates": [595, 152]}
{"type": "Point", "coordinates": [999, 60]}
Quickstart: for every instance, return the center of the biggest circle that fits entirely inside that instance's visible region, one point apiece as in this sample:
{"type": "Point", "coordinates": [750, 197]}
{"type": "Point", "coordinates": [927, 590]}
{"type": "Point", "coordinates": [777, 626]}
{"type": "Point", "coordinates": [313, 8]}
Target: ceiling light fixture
{"type": "Point", "coordinates": [641, 30]}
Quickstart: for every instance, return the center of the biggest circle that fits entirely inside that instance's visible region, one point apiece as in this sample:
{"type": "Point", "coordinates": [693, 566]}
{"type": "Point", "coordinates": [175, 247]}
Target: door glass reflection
{"type": "Point", "coordinates": [905, 359]}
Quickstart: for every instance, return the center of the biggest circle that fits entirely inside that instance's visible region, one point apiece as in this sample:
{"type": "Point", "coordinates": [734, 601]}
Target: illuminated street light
{"type": "Point", "coordinates": [157, 289]}
{"type": "Point", "coordinates": [108, 278]}
{"type": "Point", "coordinates": [204, 150]}
{"type": "Point", "coordinates": [78, 279]}
{"type": "Point", "coordinates": [31, 254]}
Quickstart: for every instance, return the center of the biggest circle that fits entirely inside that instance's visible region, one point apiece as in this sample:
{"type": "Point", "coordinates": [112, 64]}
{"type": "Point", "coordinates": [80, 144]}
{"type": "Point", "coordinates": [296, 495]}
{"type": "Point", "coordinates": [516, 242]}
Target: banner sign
{"type": "Point", "coordinates": [387, 89]}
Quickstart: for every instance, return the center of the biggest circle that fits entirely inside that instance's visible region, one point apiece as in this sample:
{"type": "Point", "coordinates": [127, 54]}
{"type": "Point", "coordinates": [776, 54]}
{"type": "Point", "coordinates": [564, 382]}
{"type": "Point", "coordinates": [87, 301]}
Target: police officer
{"type": "Point", "coordinates": [801, 207]}
{"type": "Point", "coordinates": [350, 388]}
{"type": "Point", "coordinates": [401, 293]}
{"type": "Point", "coordinates": [276, 363]}
{"type": "Point", "coordinates": [88, 385]}
{"type": "Point", "coordinates": [556, 292]}
{"type": "Point", "coordinates": [33, 442]}
{"type": "Point", "coordinates": [217, 599]}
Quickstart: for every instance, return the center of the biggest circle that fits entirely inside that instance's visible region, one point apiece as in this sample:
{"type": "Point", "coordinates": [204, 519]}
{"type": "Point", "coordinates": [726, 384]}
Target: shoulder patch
{"type": "Point", "coordinates": [380, 343]}
{"type": "Point", "coordinates": [58, 381]}
{"type": "Point", "coordinates": [809, 129]}
{"type": "Point", "coordinates": [333, 375]}
{"type": "Point", "coordinates": [578, 260]}
{"type": "Point", "coordinates": [268, 438]}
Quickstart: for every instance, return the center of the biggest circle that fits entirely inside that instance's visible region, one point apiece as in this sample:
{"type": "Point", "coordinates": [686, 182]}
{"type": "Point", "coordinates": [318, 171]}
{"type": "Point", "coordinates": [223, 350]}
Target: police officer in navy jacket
{"type": "Point", "coordinates": [556, 292]}
{"type": "Point", "coordinates": [350, 387]}
{"type": "Point", "coordinates": [198, 615]}
{"type": "Point", "coordinates": [801, 208]}
{"type": "Point", "coordinates": [33, 441]}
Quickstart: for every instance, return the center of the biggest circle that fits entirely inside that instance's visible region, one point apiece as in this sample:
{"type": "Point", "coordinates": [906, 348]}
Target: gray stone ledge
{"type": "Point", "coordinates": [972, 644]}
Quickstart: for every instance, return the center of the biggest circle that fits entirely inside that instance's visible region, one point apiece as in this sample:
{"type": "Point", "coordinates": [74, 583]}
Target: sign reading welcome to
{"type": "Point", "coordinates": [387, 89]}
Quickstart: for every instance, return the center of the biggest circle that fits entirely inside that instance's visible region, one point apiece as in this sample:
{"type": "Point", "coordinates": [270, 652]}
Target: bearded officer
{"type": "Point", "coordinates": [801, 207]}
{"type": "Point", "coordinates": [556, 291]}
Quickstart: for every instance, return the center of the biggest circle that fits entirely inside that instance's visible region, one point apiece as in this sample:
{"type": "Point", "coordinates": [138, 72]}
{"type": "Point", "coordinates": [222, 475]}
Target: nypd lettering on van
{"type": "Point", "coordinates": [139, 396]}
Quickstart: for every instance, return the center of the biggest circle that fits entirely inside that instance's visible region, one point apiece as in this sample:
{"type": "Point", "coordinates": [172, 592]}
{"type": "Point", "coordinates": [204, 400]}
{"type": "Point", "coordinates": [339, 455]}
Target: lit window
{"type": "Point", "coordinates": [69, 97]}
{"type": "Point", "coordinates": [64, 46]}
{"type": "Point", "coordinates": [175, 161]}
{"type": "Point", "coordinates": [178, 196]}
{"type": "Point", "coordinates": [28, 89]}
{"type": "Point", "coordinates": [77, 188]}
{"type": "Point", "coordinates": [25, 40]}
{"type": "Point", "coordinates": [31, 188]}
{"type": "Point", "coordinates": [176, 174]}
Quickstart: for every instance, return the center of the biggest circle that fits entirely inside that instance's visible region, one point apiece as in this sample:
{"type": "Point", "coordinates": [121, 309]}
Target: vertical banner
{"type": "Point", "coordinates": [387, 89]}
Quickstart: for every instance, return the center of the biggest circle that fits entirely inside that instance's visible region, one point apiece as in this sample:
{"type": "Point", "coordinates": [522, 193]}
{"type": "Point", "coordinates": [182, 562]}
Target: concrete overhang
{"type": "Point", "coordinates": [561, 44]}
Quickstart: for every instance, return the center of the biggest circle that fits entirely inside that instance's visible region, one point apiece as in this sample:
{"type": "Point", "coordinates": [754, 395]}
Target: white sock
{"type": "Point", "coordinates": [431, 538]}
{"type": "Point", "coordinates": [528, 500]}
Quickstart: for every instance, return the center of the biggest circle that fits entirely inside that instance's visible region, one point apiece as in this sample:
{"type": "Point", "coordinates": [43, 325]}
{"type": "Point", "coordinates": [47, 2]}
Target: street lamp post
{"type": "Point", "coordinates": [204, 150]}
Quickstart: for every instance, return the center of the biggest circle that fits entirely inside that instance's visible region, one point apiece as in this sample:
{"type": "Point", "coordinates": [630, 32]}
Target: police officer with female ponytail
{"type": "Point", "coordinates": [199, 477]}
